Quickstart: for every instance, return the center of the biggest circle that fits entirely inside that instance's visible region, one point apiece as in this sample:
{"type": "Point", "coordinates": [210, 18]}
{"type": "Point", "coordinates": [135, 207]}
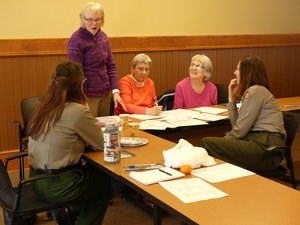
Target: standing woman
{"type": "Point", "coordinates": [258, 124]}
{"type": "Point", "coordinates": [196, 90]}
{"type": "Point", "coordinates": [59, 131]}
{"type": "Point", "coordinates": [89, 45]}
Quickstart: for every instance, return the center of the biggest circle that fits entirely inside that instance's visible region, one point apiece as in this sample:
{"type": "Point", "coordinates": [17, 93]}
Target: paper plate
{"type": "Point", "coordinates": [133, 141]}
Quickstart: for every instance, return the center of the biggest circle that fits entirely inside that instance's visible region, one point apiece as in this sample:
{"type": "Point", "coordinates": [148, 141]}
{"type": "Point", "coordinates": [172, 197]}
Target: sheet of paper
{"type": "Point", "coordinates": [156, 175]}
{"type": "Point", "coordinates": [178, 112]}
{"type": "Point", "coordinates": [221, 172]}
{"type": "Point", "coordinates": [144, 117]}
{"type": "Point", "coordinates": [211, 110]}
{"type": "Point", "coordinates": [154, 125]}
{"type": "Point", "coordinates": [192, 190]}
{"type": "Point", "coordinates": [210, 117]}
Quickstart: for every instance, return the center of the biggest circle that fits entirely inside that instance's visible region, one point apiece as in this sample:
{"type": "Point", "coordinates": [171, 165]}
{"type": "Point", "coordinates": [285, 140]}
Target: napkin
{"type": "Point", "coordinates": [186, 153]}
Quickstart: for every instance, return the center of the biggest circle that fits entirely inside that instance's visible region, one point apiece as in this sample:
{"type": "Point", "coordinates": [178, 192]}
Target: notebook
{"type": "Point", "coordinates": [157, 175]}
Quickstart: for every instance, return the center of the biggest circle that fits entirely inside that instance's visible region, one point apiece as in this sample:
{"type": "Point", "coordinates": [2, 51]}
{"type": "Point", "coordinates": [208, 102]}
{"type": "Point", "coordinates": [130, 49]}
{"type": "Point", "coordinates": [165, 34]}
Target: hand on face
{"type": "Point", "coordinates": [233, 90]}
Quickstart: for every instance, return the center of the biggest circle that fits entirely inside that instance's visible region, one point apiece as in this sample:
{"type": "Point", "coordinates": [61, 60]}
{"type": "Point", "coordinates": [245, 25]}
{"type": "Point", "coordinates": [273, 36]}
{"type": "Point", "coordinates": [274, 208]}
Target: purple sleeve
{"type": "Point", "coordinates": [112, 70]}
{"type": "Point", "coordinates": [74, 51]}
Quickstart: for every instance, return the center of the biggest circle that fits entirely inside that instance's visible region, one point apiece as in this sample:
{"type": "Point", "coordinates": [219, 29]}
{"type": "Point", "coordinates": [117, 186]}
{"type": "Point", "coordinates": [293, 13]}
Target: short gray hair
{"type": "Point", "coordinates": [91, 8]}
{"type": "Point", "coordinates": [140, 58]}
{"type": "Point", "coordinates": [206, 63]}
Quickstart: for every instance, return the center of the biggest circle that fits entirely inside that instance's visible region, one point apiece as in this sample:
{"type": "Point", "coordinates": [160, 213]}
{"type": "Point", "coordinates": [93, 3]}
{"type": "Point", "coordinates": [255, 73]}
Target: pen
{"type": "Point", "coordinates": [141, 165]}
{"type": "Point", "coordinates": [165, 172]}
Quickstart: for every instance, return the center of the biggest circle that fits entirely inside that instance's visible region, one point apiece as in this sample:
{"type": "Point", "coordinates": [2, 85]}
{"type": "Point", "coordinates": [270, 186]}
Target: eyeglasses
{"type": "Point", "coordinates": [142, 69]}
{"type": "Point", "coordinates": [90, 20]}
{"type": "Point", "coordinates": [198, 66]}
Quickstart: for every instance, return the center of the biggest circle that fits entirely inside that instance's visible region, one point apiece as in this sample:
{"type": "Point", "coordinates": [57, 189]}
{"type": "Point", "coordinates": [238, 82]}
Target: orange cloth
{"type": "Point", "coordinates": [136, 99]}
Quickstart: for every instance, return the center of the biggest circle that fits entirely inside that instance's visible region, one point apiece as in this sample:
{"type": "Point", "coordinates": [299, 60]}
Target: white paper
{"type": "Point", "coordinates": [210, 117]}
{"type": "Point", "coordinates": [162, 124]}
{"type": "Point", "coordinates": [192, 190]}
{"type": "Point", "coordinates": [144, 116]}
{"type": "Point", "coordinates": [211, 110]}
{"type": "Point", "coordinates": [221, 172]}
{"type": "Point", "coordinates": [178, 112]}
{"type": "Point", "coordinates": [156, 175]}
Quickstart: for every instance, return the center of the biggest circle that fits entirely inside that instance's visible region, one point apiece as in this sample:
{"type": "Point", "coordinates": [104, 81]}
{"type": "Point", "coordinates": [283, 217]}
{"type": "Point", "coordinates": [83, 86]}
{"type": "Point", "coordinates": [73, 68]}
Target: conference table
{"type": "Point", "coordinates": [215, 128]}
{"type": "Point", "coordinates": [251, 200]}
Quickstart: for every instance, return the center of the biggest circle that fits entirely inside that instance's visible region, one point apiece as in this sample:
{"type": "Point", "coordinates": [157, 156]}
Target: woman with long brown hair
{"type": "Point", "coordinates": [59, 131]}
{"type": "Point", "coordinates": [256, 126]}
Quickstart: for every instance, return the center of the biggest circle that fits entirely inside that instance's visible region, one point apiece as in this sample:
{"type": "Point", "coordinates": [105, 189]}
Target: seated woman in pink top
{"type": "Point", "coordinates": [195, 90]}
{"type": "Point", "coordinates": [137, 90]}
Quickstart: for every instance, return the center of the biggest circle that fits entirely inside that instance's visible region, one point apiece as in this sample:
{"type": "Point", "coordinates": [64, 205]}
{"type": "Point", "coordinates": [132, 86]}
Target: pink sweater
{"type": "Point", "coordinates": [186, 97]}
{"type": "Point", "coordinates": [136, 99]}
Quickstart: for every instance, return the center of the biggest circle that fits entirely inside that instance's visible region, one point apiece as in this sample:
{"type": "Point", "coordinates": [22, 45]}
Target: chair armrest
{"type": "Point", "coordinates": [15, 156]}
{"type": "Point", "coordinates": [36, 178]}
{"type": "Point", "coordinates": [281, 149]}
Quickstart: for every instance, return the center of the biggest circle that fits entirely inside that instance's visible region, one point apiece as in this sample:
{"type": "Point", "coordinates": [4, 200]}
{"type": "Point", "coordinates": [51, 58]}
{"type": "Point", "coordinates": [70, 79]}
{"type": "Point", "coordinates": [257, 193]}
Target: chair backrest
{"type": "Point", "coordinates": [167, 99]}
{"type": "Point", "coordinates": [222, 93]}
{"type": "Point", "coordinates": [8, 198]}
{"type": "Point", "coordinates": [291, 124]}
{"type": "Point", "coordinates": [28, 105]}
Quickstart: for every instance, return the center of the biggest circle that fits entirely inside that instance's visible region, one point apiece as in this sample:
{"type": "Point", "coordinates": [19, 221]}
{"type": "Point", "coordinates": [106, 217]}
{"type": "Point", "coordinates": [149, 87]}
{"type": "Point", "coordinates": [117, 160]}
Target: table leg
{"type": "Point", "coordinates": [156, 215]}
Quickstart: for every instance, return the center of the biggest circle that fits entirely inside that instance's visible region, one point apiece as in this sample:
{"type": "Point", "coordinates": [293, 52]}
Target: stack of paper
{"type": "Point", "coordinates": [211, 110]}
{"type": "Point", "coordinates": [156, 175]}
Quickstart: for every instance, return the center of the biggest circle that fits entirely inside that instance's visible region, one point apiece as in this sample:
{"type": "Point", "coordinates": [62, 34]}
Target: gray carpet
{"type": "Point", "coordinates": [121, 212]}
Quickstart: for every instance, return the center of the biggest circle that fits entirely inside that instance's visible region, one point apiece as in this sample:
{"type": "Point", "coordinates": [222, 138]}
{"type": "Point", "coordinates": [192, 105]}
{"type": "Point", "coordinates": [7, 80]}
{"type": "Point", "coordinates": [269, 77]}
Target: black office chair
{"type": "Point", "coordinates": [21, 201]}
{"type": "Point", "coordinates": [167, 99]}
{"type": "Point", "coordinates": [222, 93]}
{"type": "Point", "coordinates": [286, 171]}
{"type": "Point", "coordinates": [27, 106]}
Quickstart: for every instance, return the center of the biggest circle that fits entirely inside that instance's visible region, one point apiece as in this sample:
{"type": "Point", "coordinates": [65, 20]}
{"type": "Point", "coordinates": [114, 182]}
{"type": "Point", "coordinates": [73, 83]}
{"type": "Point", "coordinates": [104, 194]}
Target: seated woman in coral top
{"type": "Point", "coordinates": [137, 89]}
{"type": "Point", "coordinates": [196, 90]}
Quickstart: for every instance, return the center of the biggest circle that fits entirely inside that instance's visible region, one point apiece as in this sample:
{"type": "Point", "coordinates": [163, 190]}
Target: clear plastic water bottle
{"type": "Point", "coordinates": [112, 147]}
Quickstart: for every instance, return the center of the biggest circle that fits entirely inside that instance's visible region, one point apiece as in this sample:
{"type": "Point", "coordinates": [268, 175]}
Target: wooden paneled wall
{"type": "Point", "coordinates": [26, 65]}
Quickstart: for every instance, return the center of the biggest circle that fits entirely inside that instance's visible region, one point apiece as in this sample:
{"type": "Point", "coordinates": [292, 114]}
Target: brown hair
{"type": "Point", "coordinates": [252, 71]}
{"type": "Point", "coordinates": [65, 86]}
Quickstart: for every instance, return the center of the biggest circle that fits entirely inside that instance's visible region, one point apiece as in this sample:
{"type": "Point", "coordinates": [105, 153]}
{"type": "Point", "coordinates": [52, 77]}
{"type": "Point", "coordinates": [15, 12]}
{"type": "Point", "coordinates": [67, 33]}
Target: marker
{"type": "Point", "coordinates": [140, 166]}
{"type": "Point", "coordinates": [165, 172]}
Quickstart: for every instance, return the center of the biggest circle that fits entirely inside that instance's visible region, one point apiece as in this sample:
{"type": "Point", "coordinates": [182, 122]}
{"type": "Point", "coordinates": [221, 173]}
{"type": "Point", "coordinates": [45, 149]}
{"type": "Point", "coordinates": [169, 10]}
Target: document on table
{"type": "Point", "coordinates": [211, 110]}
{"type": "Point", "coordinates": [178, 112]}
{"type": "Point", "coordinates": [144, 116]}
{"type": "Point", "coordinates": [210, 117]}
{"type": "Point", "coordinates": [192, 190]}
{"type": "Point", "coordinates": [221, 172]}
{"type": "Point", "coordinates": [155, 175]}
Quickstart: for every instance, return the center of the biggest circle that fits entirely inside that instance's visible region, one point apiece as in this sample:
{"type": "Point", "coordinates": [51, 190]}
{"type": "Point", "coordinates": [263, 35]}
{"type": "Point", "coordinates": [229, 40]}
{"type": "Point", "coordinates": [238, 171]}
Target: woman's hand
{"type": "Point", "coordinates": [233, 90]}
{"type": "Point", "coordinates": [154, 111]}
{"type": "Point", "coordinates": [118, 100]}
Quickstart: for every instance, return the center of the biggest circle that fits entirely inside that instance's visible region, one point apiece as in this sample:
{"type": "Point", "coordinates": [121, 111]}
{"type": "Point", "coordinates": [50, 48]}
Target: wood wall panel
{"type": "Point", "coordinates": [28, 73]}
